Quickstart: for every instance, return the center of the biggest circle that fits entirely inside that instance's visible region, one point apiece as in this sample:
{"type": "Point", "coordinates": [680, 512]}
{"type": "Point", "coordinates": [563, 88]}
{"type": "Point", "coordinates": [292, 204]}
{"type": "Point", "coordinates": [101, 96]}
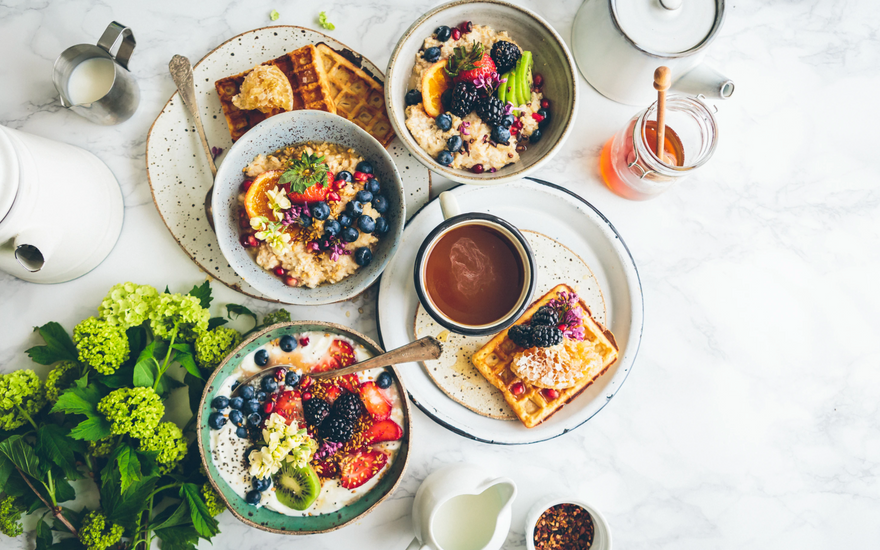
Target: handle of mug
{"type": "Point", "coordinates": [449, 205]}
{"type": "Point", "coordinates": [118, 34]}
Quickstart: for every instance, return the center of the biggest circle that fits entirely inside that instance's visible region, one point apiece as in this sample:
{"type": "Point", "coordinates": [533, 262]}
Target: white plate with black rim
{"type": "Point", "coordinates": [535, 205]}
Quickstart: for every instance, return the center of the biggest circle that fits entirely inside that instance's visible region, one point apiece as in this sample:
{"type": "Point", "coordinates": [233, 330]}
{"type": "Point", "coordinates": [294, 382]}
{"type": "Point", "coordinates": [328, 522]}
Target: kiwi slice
{"type": "Point", "coordinates": [297, 488]}
{"type": "Point", "coordinates": [501, 94]}
{"type": "Point", "coordinates": [524, 77]}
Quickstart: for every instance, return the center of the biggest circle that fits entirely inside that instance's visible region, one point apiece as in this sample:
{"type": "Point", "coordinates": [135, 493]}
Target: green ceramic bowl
{"type": "Point", "coordinates": [268, 520]}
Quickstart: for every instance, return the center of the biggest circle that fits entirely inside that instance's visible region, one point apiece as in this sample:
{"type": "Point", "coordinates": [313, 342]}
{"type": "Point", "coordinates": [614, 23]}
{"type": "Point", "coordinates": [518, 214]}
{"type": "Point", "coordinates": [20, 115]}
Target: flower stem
{"type": "Point", "coordinates": [27, 416]}
{"type": "Point", "coordinates": [56, 510]}
{"type": "Point", "coordinates": [164, 366]}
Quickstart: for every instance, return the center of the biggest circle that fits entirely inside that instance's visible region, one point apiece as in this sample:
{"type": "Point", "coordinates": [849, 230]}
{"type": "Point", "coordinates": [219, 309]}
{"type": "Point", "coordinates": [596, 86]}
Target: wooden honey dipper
{"type": "Point", "coordinates": [662, 81]}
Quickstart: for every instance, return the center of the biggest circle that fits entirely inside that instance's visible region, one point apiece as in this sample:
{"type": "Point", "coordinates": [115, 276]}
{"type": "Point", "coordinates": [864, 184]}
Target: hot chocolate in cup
{"type": "Point", "coordinates": [474, 273]}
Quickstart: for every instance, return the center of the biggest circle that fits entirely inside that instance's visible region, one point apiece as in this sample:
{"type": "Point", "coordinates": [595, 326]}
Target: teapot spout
{"type": "Point", "coordinates": [706, 81]}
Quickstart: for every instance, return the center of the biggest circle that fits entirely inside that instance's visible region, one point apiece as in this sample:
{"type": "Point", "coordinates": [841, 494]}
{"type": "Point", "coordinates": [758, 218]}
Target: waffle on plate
{"type": "Point", "coordinates": [535, 401]}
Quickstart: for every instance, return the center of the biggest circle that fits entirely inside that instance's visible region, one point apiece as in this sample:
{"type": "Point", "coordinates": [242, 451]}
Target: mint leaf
{"type": "Point", "coordinates": [59, 346]}
{"type": "Point", "coordinates": [22, 455]}
{"type": "Point", "coordinates": [92, 429]}
{"type": "Point", "coordinates": [203, 293]}
{"type": "Point", "coordinates": [53, 444]}
{"type": "Point", "coordinates": [205, 525]}
{"type": "Point", "coordinates": [129, 467]}
{"type": "Point", "coordinates": [215, 322]}
{"type": "Point", "coordinates": [147, 367]}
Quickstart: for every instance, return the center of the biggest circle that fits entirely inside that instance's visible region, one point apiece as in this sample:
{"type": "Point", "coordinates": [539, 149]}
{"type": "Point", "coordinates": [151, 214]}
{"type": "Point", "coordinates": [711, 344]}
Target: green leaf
{"type": "Point", "coordinates": [137, 339]}
{"type": "Point", "coordinates": [15, 486]}
{"type": "Point", "coordinates": [195, 388]}
{"type": "Point", "coordinates": [83, 381]}
{"type": "Point", "coordinates": [92, 429]}
{"type": "Point", "coordinates": [178, 516]}
{"type": "Point", "coordinates": [129, 467]}
{"type": "Point", "coordinates": [234, 310]}
{"type": "Point", "coordinates": [78, 400]}
{"type": "Point", "coordinates": [147, 367]}
{"type": "Point", "coordinates": [124, 508]}
{"type": "Point", "coordinates": [203, 293]}
{"type": "Point", "coordinates": [187, 361]}
{"type": "Point", "coordinates": [166, 291]}
{"type": "Point", "coordinates": [70, 543]}
{"type": "Point", "coordinates": [35, 505]}
{"type": "Point", "coordinates": [54, 445]}
{"type": "Point", "coordinates": [22, 455]}
{"type": "Point", "coordinates": [205, 525]}
{"type": "Point", "coordinates": [166, 384]}
{"type": "Point", "coordinates": [215, 322]}
{"type": "Point", "coordinates": [182, 537]}
{"type": "Point", "coordinates": [324, 22]}
{"type": "Point", "coordinates": [59, 346]}
{"type": "Point", "coordinates": [122, 378]}
{"type": "Point", "coordinates": [64, 490]}
{"type": "Point", "coordinates": [6, 469]}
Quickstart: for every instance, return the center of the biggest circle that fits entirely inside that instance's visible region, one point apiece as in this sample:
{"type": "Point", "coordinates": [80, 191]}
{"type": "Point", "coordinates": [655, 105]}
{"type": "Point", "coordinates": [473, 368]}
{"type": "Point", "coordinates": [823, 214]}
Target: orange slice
{"type": "Point", "coordinates": [435, 81]}
{"type": "Point", "coordinates": [256, 203]}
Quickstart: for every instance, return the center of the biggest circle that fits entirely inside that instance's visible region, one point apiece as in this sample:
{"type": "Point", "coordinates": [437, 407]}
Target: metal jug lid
{"type": "Point", "coordinates": [9, 174]}
{"type": "Point", "coordinates": [667, 28]}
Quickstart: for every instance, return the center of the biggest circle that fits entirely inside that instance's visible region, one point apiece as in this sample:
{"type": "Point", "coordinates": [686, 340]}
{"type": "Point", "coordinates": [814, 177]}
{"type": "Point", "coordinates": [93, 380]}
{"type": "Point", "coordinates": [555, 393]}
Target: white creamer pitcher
{"type": "Point", "coordinates": [462, 507]}
{"type": "Point", "coordinates": [60, 208]}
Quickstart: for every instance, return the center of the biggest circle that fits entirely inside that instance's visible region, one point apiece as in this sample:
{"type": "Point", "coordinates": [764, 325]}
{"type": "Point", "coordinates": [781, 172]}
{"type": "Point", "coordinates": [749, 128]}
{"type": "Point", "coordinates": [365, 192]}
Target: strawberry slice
{"type": "Point", "coordinates": [358, 467]}
{"type": "Point", "coordinates": [375, 401]}
{"type": "Point", "coordinates": [350, 382]}
{"type": "Point", "coordinates": [470, 64]}
{"type": "Point", "coordinates": [340, 354]}
{"type": "Point", "coordinates": [289, 405]}
{"type": "Point", "coordinates": [326, 468]}
{"type": "Point", "coordinates": [386, 430]}
{"type": "Point", "coordinates": [332, 393]}
{"type": "Point", "coordinates": [315, 193]}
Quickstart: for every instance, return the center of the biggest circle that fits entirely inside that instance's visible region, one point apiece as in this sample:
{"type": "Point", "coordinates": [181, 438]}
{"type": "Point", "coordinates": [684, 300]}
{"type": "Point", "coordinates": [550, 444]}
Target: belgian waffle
{"type": "Point", "coordinates": [356, 95]}
{"type": "Point", "coordinates": [533, 405]}
{"type": "Point", "coordinates": [311, 89]}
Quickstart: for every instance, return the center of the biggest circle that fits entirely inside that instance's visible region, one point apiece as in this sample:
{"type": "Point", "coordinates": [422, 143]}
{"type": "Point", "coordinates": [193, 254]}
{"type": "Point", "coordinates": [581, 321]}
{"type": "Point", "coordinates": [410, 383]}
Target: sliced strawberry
{"type": "Point", "coordinates": [340, 354]}
{"type": "Point", "coordinates": [358, 467]}
{"type": "Point", "coordinates": [386, 430]}
{"type": "Point", "coordinates": [314, 193]}
{"type": "Point", "coordinates": [289, 405]}
{"type": "Point", "coordinates": [350, 382]}
{"type": "Point", "coordinates": [482, 68]}
{"type": "Point", "coordinates": [332, 393]}
{"type": "Point", "coordinates": [375, 401]}
{"type": "Point", "coordinates": [326, 468]}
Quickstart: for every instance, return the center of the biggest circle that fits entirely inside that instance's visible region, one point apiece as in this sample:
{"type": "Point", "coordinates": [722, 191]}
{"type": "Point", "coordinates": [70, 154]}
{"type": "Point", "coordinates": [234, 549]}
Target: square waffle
{"type": "Point", "coordinates": [356, 95]}
{"type": "Point", "coordinates": [532, 406]}
{"type": "Point", "coordinates": [311, 89]}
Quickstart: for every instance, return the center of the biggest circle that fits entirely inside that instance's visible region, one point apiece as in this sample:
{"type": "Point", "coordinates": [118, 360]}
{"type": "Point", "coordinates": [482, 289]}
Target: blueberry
{"type": "Point", "coordinates": [443, 122]}
{"type": "Point", "coordinates": [236, 417]}
{"type": "Point", "coordinates": [354, 209]}
{"type": "Point", "coordinates": [216, 420]}
{"type": "Point", "coordinates": [413, 97]}
{"type": "Point", "coordinates": [442, 33]}
{"type": "Point", "coordinates": [501, 135]}
{"type": "Point", "coordinates": [251, 406]}
{"type": "Point", "coordinates": [381, 226]}
{"type": "Point", "coordinates": [444, 158]}
{"type": "Point", "coordinates": [235, 385]}
{"type": "Point", "coordinates": [305, 221]}
{"type": "Point", "coordinates": [363, 196]}
{"type": "Point", "coordinates": [431, 55]}
{"type": "Point", "coordinates": [247, 392]}
{"type": "Point", "coordinates": [363, 256]}
{"type": "Point", "coordinates": [331, 229]}
{"type": "Point", "coordinates": [241, 432]}
{"type": "Point", "coordinates": [261, 357]}
{"type": "Point", "coordinates": [291, 379]}
{"type": "Point", "coordinates": [508, 120]}
{"type": "Point", "coordinates": [236, 402]}
{"type": "Point", "coordinates": [262, 484]}
{"type": "Point", "coordinates": [366, 224]}
{"type": "Point", "coordinates": [349, 234]}
{"type": "Point", "coordinates": [220, 402]}
{"type": "Point", "coordinates": [365, 167]}
{"type": "Point", "coordinates": [384, 380]}
{"type": "Point", "coordinates": [380, 204]}
{"type": "Point", "coordinates": [344, 220]}
{"type": "Point", "coordinates": [536, 136]}
{"type": "Point", "coordinates": [320, 210]}
{"type": "Point", "coordinates": [268, 384]}
{"type": "Point", "coordinates": [288, 342]}
{"type": "Point", "coordinates": [261, 396]}
{"type": "Point", "coordinates": [372, 186]}
{"type": "Point", "coordinates": [454, 143]}
{"type": "Point", "coordinates": [253, 497]}
{"type": "Point", "coordinates": [546, 114]}
{"type": "Point", "coordinates": [345, 175]}
{"type": "Point", "coordinates": [254, 419]}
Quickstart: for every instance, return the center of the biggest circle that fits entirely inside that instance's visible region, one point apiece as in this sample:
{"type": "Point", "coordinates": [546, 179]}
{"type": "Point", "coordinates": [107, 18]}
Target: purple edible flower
{"type": "Point", "coordinates": [215, 152]}
{"type": "Point", "coordinates": [313, 246]}
{"type": "Point", "coordinates": [463, 128]}
{"type": "Point", "coordinates": [337, 249]}
{"type": "Point", "coordinates": [508, 108]}
{"type": "Point", "coordinates": [295, 212]}
{"type": "Point", "coordinates": [570, 316]}
{"type": "Point", "coordinates": [489, 84]}
{"type": "Point", "coordinates": [326, 449]}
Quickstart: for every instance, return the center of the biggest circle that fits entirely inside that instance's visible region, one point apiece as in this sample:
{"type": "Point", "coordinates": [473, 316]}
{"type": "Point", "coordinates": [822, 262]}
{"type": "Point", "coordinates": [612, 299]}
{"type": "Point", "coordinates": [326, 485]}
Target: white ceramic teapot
{"type": "Point", "coordinates": [462, 507]}
{"type": "Point", "coordinates": [60, 209]}
{"type": "Point", "coordinates": [619, 43]}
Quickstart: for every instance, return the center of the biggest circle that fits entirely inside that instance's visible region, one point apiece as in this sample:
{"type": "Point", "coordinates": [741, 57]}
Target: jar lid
{"type": "Point", "coordinates": [8, 173]}
{"type": "Point", "coordinates": [668, 27]}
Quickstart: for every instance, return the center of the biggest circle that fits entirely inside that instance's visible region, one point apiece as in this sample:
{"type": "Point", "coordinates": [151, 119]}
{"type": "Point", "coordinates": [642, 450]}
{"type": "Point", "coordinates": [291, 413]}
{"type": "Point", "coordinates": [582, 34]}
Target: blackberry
{"type": "Point", "coordinates": [347, 406]}
{"type": "Point", "coordinates": [337, 429]}
{"type": "Point", "coordinates": [316, 410]}
{"type": "Point", "coordinates": [505, 55]}
{"type": "Point", "coordinates": [521, 335]}
{"type": "Point", "coordinates": [464, 99]}
{"type": "Point", "coordinates": [544, 337]}
{"type": "Point", "coordinates": [491, 110]}
{"type": "Point", "coordinates": [545, 315]}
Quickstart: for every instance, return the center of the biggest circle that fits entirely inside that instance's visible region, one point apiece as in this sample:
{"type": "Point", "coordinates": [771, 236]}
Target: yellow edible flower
{"type": "Point", "coordinates": [284, 443]}
{"type": "Point", "coordinates": [278, 202]}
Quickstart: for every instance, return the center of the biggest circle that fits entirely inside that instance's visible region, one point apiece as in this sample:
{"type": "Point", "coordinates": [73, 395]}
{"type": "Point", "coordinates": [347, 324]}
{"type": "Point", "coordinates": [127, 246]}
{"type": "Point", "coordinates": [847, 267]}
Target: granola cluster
{"type": "Point", "coordinates": [564, 527]}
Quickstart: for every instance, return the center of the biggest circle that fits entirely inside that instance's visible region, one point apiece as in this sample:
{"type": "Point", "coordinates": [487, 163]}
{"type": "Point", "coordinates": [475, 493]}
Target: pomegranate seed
{"type": "Point", "coordinates": [291, 281]}
{"type": "Point", "coordinates": [466, 27]}
{"type": "Point", "coordinates": [307, 396]}
{"type": "Point", "coordinates": [269, 407]}
{"type": "Point", "coordinates": [514, 130]}
{"type": "Point", "coordinates": [330, 176]}
{"type": "Point", "coordinates": [360, 176]}
{"type": "Point", "coordinates": [244, 223]}
{"type": "Point", "coordinates": [538, 80]}
{"type": "Point", "coordinates": [280, 271]}
{"type": "Point", "coordinates": [563, 327]}
{"type": "Point", "coordinates": [537, 117]}
{"type": "Point", "coordinates": [252, 241]}
{"type": "Point", "coordinates": [305, 381]}
{"type": "Point", "coordinates": [333, 197]}
{"type": "Point", "coordinates": [279, 374]}
{"type": "Point", "coordinates": [246, 184]}
{"type": "Point", "coordinates": [456, 33]}
{"type": "Point", "coordinates": [304, 341]}
{"type": "Point", "coordinates": [477, 168]}
{"type": "Point", "coordinates": [545, 103]}
{"type": "Point", "coordinates": [339, 185]}
{"type": "Point", "coordinates": [550, 394]}
{"type": "Point", "coordinates": [517, 388]}
{"type": "Point", "coordinates": [245, 241]}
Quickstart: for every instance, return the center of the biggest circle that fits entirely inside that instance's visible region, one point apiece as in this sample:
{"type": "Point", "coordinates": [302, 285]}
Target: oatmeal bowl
{"type": "Point", "coordinates": [296, 454]}
{"type": "Point", "coordinates": [482, 92]}
{"type": "Point", "coordinates": [308, 208]}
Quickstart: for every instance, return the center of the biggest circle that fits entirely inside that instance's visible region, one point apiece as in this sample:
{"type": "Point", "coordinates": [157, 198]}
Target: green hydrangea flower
{"type": "Point", "coordinates": [21, 390]}
{"type": "Point", "coordinates": [181, 310]}
{"type": "Point", "coordinates": [128, 304]}
{"type": "Point", "coordinates": [212, 499]}
{"type": "Point", "coordinates": [60, 378]}
{"type": "Point", "coordinates": [97, 533]}
{"type": "Point", "coordinates": [167, 439]}
{"type": "Point", "coordinates": [10, 517]}
{"type": "Point", "coordinates": [213, 346]}
{"type": "Point", "coordinates": [101, 345]}
{"type": "Point", "coordinates": [134, 411]}
{"type": "Point", "coordinates": [280, 316]}
{"type": "Point", "coordinates": [102, 447]}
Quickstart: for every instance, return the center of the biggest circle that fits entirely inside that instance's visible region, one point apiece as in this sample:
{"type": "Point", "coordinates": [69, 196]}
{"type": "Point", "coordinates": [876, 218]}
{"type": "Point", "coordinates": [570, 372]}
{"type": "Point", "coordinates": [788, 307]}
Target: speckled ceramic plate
{"type": "Point", "coordinates": [453, 371]}
{"type": "Point", "coordinates": [567, 218]}
{"type": "Point", "coordinates": [268, 520]}
{"type": "Point", "coordinates": [178, 173]}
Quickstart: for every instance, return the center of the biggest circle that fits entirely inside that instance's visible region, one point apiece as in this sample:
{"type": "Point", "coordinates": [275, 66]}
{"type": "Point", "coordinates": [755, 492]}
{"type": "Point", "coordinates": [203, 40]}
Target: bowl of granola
{"type": "Point", "coordinates": [308, 208]}
{"type": "Point", "coordinates": [482, 92]}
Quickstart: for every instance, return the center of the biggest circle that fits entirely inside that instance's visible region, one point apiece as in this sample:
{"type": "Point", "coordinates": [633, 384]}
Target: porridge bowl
{"type": "Point", "coordinates": [545, 98]}
{"type": "Point", "coordinates": [297, 218]}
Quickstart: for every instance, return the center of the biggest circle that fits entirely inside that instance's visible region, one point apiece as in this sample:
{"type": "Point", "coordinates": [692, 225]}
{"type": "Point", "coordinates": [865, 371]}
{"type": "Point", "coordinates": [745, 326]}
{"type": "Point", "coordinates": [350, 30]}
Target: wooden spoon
{"type": "Point", "coordinates": [662, 81]}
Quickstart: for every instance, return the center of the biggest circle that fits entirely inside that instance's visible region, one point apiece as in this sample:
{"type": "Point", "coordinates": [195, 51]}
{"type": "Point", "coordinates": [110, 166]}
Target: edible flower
{"type": "Point", "coordinates": [295, 213]}
{"type": "Point", "coordinates": [274, 236]}
{"type": "Point", "coordinates": [464, 128]}
{"type": "Point", "coordinates": [284, 443]}
{"type": "Point", "coordinates": [571, 317]}
{"type": "Point", "coordinates": [274, 15]}
{"type": "Point", "coordinates": [489, 84]}
{"type": "Point", "coordinates": [278, 202]}
{"type": "Point", "coordinates": [259, 223]}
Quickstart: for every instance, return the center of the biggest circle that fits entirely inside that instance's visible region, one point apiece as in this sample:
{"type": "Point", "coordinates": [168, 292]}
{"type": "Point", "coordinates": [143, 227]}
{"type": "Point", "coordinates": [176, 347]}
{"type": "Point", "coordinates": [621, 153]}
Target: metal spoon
{"type": "Point", "coordinates": [420, 350]}
{"type": "Point", "coordinates": [181, 72]}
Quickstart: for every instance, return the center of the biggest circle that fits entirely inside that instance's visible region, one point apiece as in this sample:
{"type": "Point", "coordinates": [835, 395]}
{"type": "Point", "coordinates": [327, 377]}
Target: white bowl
{"type": "Point", "coordinates": [601, 529]}
{"type": "Point", "coordinates": [552, 60]}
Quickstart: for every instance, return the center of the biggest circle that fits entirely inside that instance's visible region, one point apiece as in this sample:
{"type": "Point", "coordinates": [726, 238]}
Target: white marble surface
{"type": "Point", "coordinates": [751, 417]}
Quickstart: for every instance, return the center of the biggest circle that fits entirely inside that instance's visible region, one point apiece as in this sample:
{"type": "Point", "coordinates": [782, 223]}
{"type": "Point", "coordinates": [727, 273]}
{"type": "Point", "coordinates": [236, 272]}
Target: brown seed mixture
{"type": "Point", "coordinates": [564, 527]}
